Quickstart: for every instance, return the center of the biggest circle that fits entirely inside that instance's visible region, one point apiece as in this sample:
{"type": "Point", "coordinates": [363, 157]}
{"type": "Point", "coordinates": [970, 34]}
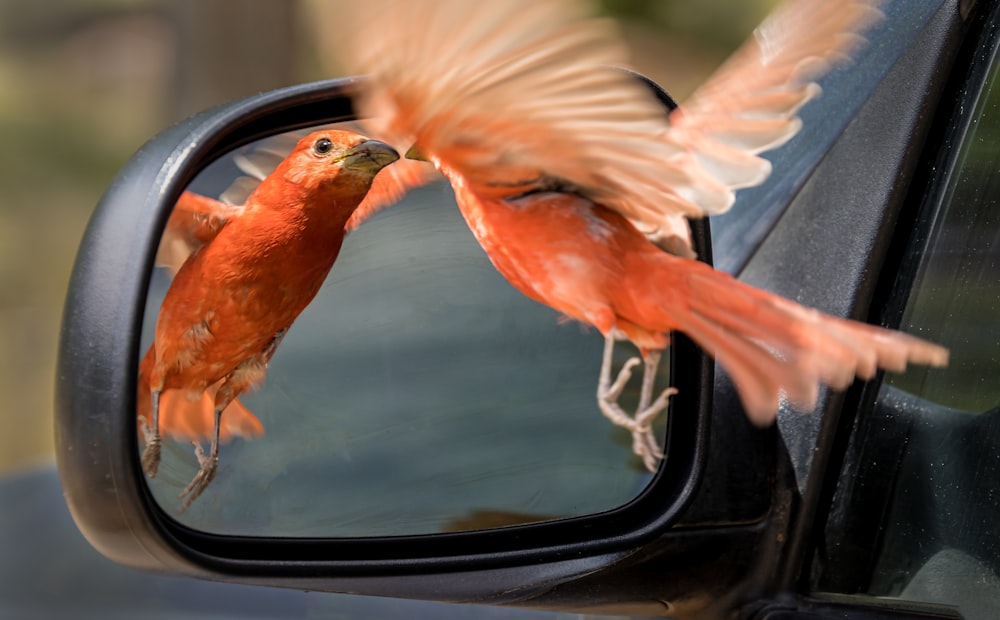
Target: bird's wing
{"type": "Point", "coordinates": [501, 91]}
{"type": "Point", "coordinates": [392, 182]}
{"type": "Point", "coordinates": [196, 219]}
{"type": "Point", "coordinates": [258, 161]}
{"type": "Point", "coordinates": [194, 222]}
{"type": "Point", "coordinates": [389, 185]}
{"type": "Point", "coordinates": [750, 104]}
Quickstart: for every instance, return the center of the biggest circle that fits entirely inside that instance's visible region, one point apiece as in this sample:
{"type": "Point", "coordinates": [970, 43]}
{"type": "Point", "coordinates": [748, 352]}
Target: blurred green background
{"type": "Point", "coordinates": [83, 83]}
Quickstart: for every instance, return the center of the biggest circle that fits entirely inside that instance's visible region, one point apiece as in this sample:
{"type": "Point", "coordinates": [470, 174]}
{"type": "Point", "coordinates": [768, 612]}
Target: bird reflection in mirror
{"type": "Point", "coordinates": [243, 275]}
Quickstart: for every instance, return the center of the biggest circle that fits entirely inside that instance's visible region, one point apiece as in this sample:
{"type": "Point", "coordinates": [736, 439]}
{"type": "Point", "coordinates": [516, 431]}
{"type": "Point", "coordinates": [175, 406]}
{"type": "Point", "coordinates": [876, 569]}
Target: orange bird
{"type": "Point", "coordinates": [253, 269]}
{"type": "Point", "coordinates": [578, 186]}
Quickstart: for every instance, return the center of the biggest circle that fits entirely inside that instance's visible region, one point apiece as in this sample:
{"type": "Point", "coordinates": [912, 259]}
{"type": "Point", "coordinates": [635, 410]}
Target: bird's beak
{"type": "Point", "coordinates": [414, 153]}
{"type": "Point", "coordinates": [370, 156]}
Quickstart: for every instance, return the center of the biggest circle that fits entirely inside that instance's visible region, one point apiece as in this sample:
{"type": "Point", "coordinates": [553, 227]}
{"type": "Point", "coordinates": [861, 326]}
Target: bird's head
{"type": "Point", "coordinates": [335, 159]}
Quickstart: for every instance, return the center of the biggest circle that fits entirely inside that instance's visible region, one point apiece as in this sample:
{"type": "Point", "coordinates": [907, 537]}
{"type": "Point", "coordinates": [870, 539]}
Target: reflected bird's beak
{"type": "Point", "coordinates": [370, 155]}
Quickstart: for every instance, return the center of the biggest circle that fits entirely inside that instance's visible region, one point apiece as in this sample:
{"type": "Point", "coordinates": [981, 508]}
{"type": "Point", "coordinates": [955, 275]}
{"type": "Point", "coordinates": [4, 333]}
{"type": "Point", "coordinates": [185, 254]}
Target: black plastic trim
{"type": "Point", "coordinates": [845, 559]}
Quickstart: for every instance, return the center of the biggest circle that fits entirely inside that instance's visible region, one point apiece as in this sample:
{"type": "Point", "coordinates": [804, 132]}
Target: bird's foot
{"type": "Point", "coordinates": [644, 443]}
{"type": "Point", "coordinates": [201, 480]}
{"type": "Point", "coordinates": [151, 453]}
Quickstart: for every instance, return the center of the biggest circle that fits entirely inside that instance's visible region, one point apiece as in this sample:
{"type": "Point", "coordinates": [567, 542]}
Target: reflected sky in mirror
{"type": "Point", "coordinates": [418, 393]}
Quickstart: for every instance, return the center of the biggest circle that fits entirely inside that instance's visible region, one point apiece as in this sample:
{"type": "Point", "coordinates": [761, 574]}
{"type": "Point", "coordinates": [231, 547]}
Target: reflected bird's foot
{"type": "Point", "coordinates": [202, 479]}
{"type": "Point", "coordinates": [151, 453]}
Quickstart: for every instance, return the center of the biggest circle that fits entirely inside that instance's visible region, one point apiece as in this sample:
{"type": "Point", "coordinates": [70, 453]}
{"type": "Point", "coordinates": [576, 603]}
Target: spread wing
{"type": "Point", "coordinates": [504, 91]}
{"type": "Point", "coordinates": [508, 91]}
{"type": "Point", "coordinates": [194, 222]}
{"type": "Point", "coordinates": [750, 104]}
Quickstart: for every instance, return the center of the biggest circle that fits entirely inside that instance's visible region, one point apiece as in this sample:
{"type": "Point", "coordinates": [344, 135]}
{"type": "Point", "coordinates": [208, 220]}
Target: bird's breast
{"type": "Point", "coordinates": [556, 248]}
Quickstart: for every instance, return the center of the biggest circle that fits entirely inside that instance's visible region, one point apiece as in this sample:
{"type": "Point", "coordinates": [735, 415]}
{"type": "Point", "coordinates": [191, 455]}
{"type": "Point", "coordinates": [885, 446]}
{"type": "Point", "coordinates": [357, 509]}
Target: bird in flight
{"type": "Point", "coordinates": [579, 186]}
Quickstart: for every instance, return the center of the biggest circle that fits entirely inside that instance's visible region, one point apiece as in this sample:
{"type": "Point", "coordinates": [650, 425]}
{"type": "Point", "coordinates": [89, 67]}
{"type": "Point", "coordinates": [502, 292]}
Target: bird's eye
{"type": "Point", "coordinates": [323, 146]}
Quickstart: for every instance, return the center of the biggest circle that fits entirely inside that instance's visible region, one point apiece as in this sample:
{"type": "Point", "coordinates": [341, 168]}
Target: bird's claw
{"type": "Point", "coordinates": [151, 457]}
{"type": "Point", "coordinates": [644, 443]}
{"type": "Point", "coordinates": [622, 379]}
{"type": "Point", "coordinates": [209, 464]}
{"type": "Point", "coordinates": [151, 453]}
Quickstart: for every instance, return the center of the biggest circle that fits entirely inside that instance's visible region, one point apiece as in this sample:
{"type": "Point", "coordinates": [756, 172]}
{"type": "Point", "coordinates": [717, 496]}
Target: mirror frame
{"type": "Point", "coordinates": [96, 435]}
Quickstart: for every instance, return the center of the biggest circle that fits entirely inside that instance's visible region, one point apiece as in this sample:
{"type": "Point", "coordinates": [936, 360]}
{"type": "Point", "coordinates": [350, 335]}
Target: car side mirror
{"type": "Point", "coordinates": [421, 417]}
{"type": "Point", "coordinates": [430, 435]}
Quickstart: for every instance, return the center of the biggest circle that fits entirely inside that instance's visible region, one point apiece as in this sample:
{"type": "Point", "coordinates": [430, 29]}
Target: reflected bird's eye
{"type": "Point", "coordinates": [323, 146]}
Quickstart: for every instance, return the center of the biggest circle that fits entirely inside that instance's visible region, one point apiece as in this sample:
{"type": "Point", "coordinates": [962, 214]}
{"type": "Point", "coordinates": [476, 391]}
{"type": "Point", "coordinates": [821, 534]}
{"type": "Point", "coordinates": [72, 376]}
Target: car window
{"type": "Point", "coordinates": [945, 510]}
{"type": "Point", "coordinates": [916, 512]}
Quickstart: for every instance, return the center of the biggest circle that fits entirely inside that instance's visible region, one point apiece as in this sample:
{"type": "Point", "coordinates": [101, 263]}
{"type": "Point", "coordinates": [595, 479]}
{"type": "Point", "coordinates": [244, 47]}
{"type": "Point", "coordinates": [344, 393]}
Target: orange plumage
{"type": "Point", "coordinates": [574, 180]}
{"type": "Point", "coordinates": [249, 277]}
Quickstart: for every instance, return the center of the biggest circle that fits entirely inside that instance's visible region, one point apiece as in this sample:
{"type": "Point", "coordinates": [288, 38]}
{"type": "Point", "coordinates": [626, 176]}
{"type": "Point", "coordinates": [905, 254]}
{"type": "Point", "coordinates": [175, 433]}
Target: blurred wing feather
{"type": "Point", "coordinates": [193, 223]}
{"type": "Point", "coordinates": [258, 161]}
{"type": "Point", "coordinates": [750, 104]}
{"type": "Point", "coordinates": [501, 91]}
{"type": "Point", "coordinates": [391, 184]}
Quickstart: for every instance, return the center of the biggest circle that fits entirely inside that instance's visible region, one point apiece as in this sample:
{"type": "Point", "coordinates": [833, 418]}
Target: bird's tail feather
{"type": "Point", "coordinates": [769, 344]}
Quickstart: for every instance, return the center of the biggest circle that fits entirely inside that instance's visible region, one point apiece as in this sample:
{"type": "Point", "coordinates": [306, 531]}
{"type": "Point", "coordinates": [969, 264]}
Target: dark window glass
{"type": "Point", "coordinates": [916, 514]}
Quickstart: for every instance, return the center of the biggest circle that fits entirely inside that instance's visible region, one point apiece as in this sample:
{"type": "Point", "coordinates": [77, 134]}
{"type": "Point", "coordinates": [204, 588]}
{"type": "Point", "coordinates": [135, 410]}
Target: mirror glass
{"type": "Point", "coordinates": [418, 393]}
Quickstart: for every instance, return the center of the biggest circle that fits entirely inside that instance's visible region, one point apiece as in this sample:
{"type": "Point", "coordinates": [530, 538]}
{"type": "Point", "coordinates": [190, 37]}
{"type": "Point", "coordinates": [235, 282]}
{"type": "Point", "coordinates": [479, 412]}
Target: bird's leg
{"type": "Point", "coordinates": [644, 443]}
{"type": "Point", "coordinates": [151, 454]}
{"type": "Point", "coordinates": [239, 380]}
{"type": "Point", "coordinates": [647, 411]}
{"type": "Point", "coordinates": [208, 465]}
{"type": "Point", "coordinates": [608, 392]}
{"type": "Point", "coordinates": [607, 401]}
{"type": "Point", "coordinates": [652, 361]}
